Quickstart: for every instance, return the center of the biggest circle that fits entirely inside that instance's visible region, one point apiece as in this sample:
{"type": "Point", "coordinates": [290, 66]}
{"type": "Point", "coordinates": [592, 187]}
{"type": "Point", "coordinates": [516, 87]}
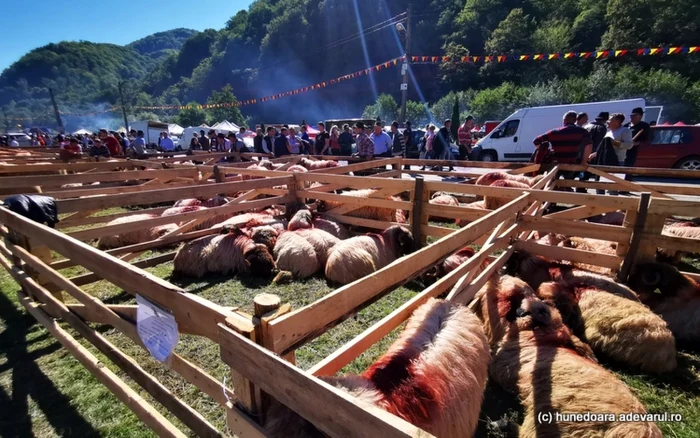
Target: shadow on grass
{"type": "Point", "coordinates": [683, 379]}
{"type": "Point", "coordinates": [28, 380]}
{"type": "Point", "coordinates": [498, 405]}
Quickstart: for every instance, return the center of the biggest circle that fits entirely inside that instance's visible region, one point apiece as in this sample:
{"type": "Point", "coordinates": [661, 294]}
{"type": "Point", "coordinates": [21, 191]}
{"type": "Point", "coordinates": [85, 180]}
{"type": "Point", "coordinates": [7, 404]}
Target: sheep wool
{"type": "Point", "coordinates": [322, 242]}
{"type": "Point", "coordinates": [330, 226]}
{"type": "Point", "coordinates": [294, 254]}
{"type": "Point", "coordinates": [316, 165]}
{"type": "Point", "coordinates": [433, 376]}
{"type": "Point", "coordinates": [136, 236]}
{"type": "Point", "coordinates": [552, 371]}
{"type": "Point", "coordinates": [447, 200]}
{"type": "Point", "coordinates": [671, 294]}
{"type": "Point", "coordinates": [623, 330]}
{"type": "Point", "coordinates": [493, 203]}
{"type": "Point", "coordinates": [488, 179]}
{"type": "Point", "coordinates": [357, 257]}
{"type": "Point", "coordinates": [301, 219]}
{"type": "Point", "coordinates": [369, 212]}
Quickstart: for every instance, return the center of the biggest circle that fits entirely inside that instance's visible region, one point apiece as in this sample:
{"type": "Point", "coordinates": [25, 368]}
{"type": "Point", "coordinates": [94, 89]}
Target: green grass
{"type": "Point", "coordinates": [45, 391]}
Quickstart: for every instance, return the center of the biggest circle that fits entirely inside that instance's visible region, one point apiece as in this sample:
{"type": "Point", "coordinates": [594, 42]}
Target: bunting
{"type": "Point", "coordinates": [598, 54]}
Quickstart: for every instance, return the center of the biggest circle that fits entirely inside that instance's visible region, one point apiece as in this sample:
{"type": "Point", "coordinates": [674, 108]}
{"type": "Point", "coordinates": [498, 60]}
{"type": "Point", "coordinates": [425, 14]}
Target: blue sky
{"type": "Point", "coordinates": [29, 24]}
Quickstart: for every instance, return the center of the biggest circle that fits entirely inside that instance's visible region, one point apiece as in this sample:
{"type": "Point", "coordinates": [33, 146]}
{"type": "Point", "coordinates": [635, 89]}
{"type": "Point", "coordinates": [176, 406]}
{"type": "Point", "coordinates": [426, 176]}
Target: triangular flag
{"type": "Point", "coordinates": [622, 52]}
{"type": "Point", "coordinates": [524, 57]}
{"type": "Point", "coordinates": [655, 50]}
{"type": "Point", "coordinates": [693, 49]}
{"type": "Point", "coordinates": [674, 50]}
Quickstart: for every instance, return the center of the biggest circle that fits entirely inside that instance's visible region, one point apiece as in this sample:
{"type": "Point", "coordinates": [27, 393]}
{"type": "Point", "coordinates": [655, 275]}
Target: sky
{"type": "Point", "coordinates": [26, 26]}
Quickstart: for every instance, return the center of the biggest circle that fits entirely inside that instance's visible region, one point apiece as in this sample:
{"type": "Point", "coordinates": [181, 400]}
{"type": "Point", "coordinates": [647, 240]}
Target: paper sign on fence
{"type": "Point", "coordinates": [156, 327]}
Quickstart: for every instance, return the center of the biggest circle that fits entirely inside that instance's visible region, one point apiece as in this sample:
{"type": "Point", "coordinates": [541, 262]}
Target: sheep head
{"type": "Point", "coordinates": [259, 261]}
{"type": "Point", "coordinates": [265, 235]}
{"type": "Point", "coordinates": [400, 238]}
{"type": "Point", "coordinates": [656, 282]}
{"type": "Point", "coordinates": [562, 297]}
{"type": "Point", "coordinates": [302, 219]}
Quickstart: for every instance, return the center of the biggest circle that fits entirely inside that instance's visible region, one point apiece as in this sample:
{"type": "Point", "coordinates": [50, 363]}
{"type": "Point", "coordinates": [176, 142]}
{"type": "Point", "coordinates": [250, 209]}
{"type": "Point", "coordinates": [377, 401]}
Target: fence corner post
{"type": "Point", "coordinates": [417, 211]}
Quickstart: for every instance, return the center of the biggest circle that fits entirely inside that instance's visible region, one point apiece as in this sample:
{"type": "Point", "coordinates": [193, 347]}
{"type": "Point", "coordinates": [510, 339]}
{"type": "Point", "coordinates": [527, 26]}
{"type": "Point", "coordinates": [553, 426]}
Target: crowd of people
{"type": "Point", "coordinates": [607, 141]}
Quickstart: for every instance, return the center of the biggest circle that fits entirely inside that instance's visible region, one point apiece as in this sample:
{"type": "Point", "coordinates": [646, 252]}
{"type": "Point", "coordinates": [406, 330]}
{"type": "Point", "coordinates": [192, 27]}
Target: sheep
{"type": "Point", "coordinates": [448, 200]}
{"type": "Point", "coordinates": [612, 218]}
{"type": "Point", "coordinates": [322, 242]}
{"type": "Point", "coordinates": [208, 223]}
{"type": "Point", "coordinates": [245, 177]}
{"type": "Point", "coordinates": [369, 212]}
{"type": "Point", "coordinates": [493, 202]}
{"type": "Point", "coordinates": [266, 235]}
{"type": "Point", "coordinates": [215, 201]}
{"type": "Point", "coordinates": [359, 256]}
{"type": "Point", "coordinates": [330, 226]}
{"type": "Point", "coordinates": [136, 236]}
{"type": "Point", "coordinates": [552, 371]}
{"type": "Point", "coordinates": [230, 252]}
{"type": "Point", "coordinates": [302, 219]}
{"type": "Point", "coordinates": [536, 270]}
{"type": "Point", "coordinates": [265, 164]}
{"type": "Point", "coordinates": [592, 245]}
{"type": "Point", "coordinates": [488, 179]}
{"type": "Point", "coordinates": [252, 220]}
{"type": "Point", "coordinates": [295, 256]}
{"type": "Point", "coordinates": [623, 330]}
{"type": "Point", "coordinates": [433, 376]}
{"type": "Point", "coordinates": [297, 169]}
{"type": "Point", "coordinates": [320, 164]}
{"type": "Point", "coordinates": [671, 294]}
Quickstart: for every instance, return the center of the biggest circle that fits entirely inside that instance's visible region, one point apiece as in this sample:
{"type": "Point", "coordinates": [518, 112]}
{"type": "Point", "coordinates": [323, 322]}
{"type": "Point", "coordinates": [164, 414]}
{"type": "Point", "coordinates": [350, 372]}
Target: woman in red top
{"type": "Point", "coordinates": [115, 149]}
{"type": "Point", "coordinates": [71, 150]}
{"type": "Point", "coordinates": [335, 141]}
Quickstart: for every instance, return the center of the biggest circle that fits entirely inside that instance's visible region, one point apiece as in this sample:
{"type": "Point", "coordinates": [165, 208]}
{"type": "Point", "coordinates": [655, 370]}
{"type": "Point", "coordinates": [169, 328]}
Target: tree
{"type": "Point", "coordinates": [228, 111]}
{"type": "Point", "coordinates": [192, 115]}
{"type": "Point", "coordinates": [513, 35]}
{"type": "Point", "coordinates": [385, 108]}
{"type": "Point", "coordinates": [417, 113]}
{"type": "Point", "coordinates": [455, 118]}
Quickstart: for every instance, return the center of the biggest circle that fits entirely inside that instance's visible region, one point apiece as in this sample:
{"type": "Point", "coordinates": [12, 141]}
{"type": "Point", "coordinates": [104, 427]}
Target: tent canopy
{"type": "Point", "coordinates": [225, 126]}
{"type": "Point", "coordinates": [82, 132]}
{"type": "Point", "coordinates": [175, 129]}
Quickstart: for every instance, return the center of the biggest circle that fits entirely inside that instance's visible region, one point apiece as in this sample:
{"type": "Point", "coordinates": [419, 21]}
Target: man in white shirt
{"type": "Point", "coordinates": [382, 142]}
{"type": "Point", "coordinates": [166, 143]}
{"type": "Point", "coordinates": [13, 142]}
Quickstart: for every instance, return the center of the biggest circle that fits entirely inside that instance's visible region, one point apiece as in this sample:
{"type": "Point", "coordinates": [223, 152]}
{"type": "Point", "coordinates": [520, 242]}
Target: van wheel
{"type": "Point", "coordinates": [688, 163]}
{"type": "Point", "coordinates": [489, 156]}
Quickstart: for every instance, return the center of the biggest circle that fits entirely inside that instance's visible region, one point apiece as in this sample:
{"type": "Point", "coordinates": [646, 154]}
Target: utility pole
{"type": "Point", "coordinates": [404, 67]}
{"type": "Point", "coordinates": [61, 129]}
{"type": "Point", "coordinates": [121, 96]}
{"type": "Point", "coordinates": [7, 120]}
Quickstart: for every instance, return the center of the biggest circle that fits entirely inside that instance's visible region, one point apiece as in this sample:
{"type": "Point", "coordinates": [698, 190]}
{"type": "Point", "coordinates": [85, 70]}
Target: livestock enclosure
{"type": "Point", "coordinates": [260, 348]}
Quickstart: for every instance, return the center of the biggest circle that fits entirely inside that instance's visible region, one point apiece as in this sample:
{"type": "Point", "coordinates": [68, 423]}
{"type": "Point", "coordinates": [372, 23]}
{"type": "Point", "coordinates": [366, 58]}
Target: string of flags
{"type": "Point", "coordinates": [597, 54]}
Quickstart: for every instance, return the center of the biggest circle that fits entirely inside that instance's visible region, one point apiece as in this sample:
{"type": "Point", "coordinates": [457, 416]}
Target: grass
{"type": "Point", "coordinates": [45, 392]}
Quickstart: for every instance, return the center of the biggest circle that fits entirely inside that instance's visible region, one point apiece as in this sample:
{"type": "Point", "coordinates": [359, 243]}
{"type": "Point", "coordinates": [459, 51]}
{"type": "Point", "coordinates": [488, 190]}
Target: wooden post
{"type": "Point", "coordinates": [219, 176]}
{"type": "Point", "coordinates": [247, 395]}
{"type": "Point", "coordinates": [417, 212]}
{"type": "Point", "coordinates": [640, 228]}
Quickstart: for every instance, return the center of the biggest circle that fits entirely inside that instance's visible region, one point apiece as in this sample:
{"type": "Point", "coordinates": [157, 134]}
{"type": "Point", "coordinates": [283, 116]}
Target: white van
{"type": "Point", "coordinates": [512, 139]}
{"type": "Point", "coordinates": [151, 130]}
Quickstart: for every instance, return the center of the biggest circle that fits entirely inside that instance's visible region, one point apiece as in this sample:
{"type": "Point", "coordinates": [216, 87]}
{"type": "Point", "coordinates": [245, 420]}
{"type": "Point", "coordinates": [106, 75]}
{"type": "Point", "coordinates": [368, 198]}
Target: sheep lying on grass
{"type": "Point", "coordinates": [302, 253]}
{"type": "Point", "coordinates": [134, 237]}
{"type": "Point", "coordinates": [433, 376]}
{"type": "Point", "coordinates": [554, 372]}
{"type": "Point", "coordinates": [359, 256]}
{"type": "Point", "coordinates": [488, 179]}
{"type": "Point", "coordinates": [674, 296]}
{"type": "Point", "coordinates": [623, 330]}
{"type": "Point", "coordinates": [320, 164]}
{"type": "Point", "coordinates": [227, 253]}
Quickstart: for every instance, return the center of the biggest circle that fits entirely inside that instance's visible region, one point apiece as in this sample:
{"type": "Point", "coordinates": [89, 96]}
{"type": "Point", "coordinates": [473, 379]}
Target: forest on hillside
{"type": "Point", "coordinates": [279, 45]}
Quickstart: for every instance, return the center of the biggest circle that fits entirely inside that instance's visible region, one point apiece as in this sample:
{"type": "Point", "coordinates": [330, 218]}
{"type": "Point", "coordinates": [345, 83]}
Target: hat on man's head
{"type": "Point", "coordinates": [447, 121]}
{"type": "Point", "coordinates": [407, 123]}
{"type": "Point", "coordinates": [638, 111]}
{"type": "Point", "coordinates": [360, 125]}
{"type": "Point", "coordinates": [603, 115]}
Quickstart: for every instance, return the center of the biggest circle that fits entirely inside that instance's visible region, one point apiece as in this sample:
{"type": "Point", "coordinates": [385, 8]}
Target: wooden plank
{"type": "Point", "coordinates": [675, 207]}
{"type": "Point", "coordinates": [673, 243]}
{"type": "Point", "coordinates": [627, 184]}
{"type": "Point", "coordinates": [110, 230]}
{"type": "Point", "coordinates": [364, 165]}
{"type": "Point", "coordinates": [68, 223]}
{"type": "Point", "coordinates": [435, 231]}
{"type": "Point", "coordinates": [111, 315]}
{"type": "Point", "coordinates": [452, 212]}
{"type": "Point", "coordinates": [69, 167]}
{"type": "Point", "coordinates": [571, 254]}
{"type": "Point", "coordinates": [617, 202]}
{"type": "Point", "coordinates": [331, 410]}
{"type": "Point", "coordinates": [576, 228]}
{"type": "Point", "coordinates": [417, 210]}
{"type": "Point", "coordinates": [642, 171]}
{"type": "Point", "coordinates": [187, 308]}
{"type": "Point", "coordinates": [171, 194]}
{"type": "Point", "coordinates": [58, 180]}
{"type": "Point", "coordinates": [346, 208]}
{"type": "Point", "coordinates": [355, 182]}
{"type": "Point", "coordinates": [671, 189]}
{"type": "Point", "coordinates": [241, 424]}
{"type": "Point", "coordinates": [468, 294]}
{"type": "Point", "coordinates": [628, 222]}
{"type": "Point", "coordinates": [144, 411]}
{"type": "Point", "coordinates": [304, 324]}
{"type": "Point", "coordinates": [354, 348]}
{"type": "Point", "coordinates": [496, 166]}
{"type": "Point", "coordinates": [100, 191]}
{"type": "Point", "coordinates": [582, 212]}
{"type": "Point", "coordinates": [361, 202]}
{"type": "Point", "coordinates": [91, 277]}
{"type": "Point", "coordinates": [534, 168]}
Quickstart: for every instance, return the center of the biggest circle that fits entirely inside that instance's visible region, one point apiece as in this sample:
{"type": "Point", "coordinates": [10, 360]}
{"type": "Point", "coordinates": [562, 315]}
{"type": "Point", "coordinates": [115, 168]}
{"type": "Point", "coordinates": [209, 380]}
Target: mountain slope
{"type": "Point", "coordinates": [161, 43]}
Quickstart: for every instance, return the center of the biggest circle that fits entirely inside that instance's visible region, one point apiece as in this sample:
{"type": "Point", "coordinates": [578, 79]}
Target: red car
{"type": "Point", "coordinates": [671, 147]}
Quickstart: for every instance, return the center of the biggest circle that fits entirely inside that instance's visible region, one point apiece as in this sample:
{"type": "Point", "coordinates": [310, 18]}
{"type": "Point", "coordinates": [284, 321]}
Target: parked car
{"type": "Point", "coordinates": [671, 147]}
{"type": "Point", "coordinates": [23, 139]}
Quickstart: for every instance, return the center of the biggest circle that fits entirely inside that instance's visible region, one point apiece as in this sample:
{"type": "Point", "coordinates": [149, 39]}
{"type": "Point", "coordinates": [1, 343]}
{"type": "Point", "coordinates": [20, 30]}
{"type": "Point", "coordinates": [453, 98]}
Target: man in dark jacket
{"type": "Point", "coordinates": [268, 140]}
{"type": "Point", "coordinates": [345, 139]}
{"type": "Point", "coordinates": [597, 130]}
{"type": "Point", "coordinates": [203, 140]}
{"type": "Point", "coordinates": [281, 143]}
{"type": "Point", "coordinates": [441, 144]}
{"type": "Point", "coordinates": [398, 141]}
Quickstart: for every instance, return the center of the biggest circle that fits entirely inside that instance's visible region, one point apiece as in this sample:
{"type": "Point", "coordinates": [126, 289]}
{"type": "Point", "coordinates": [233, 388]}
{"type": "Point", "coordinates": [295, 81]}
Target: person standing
{"type": "Point", "coordinates": [322, 142]}
{"type": "Point", "coordinates": [203, 140]}
{"type": "Point", "coordinates": [597, 130]}
{"type": "Point", "coordinates": [13, 142]}
{"type": "Point", "coordinates": [166, 143]}
{"type": "Point", "coordinates": [441, 144]}
{"type": "Point", "coordinates": [258, 141]}
{"type": "Point", "coordinates": [294, 142]}
{"type": "Point", "coordinates": [71, 151]}
{"type": "Point", "coordinates": [582, 120]}
{"type": "Point", "coordinates": [382, 141]}
{"type": "Point", "coordinates": [365, 145]}
{"type": "Point", "coordinates": [570, 143]}
{"type": "Point", "coordinates": [194, 143]}
{"type": "Point", "coordinates": [617, 141]}
{"type": "Point", "coordinates": [268, 140]}
{"type": "Point", "coordinates": [398, 141]}
{"type": "Point", "coordinates": [111, 143]}
{"type": "Point", "coordinates": [334, 143]}
{"type": "Point", "coordinates": [464, 138]}
{"type": "Point", "coordinates": [641, 134]}
{"type": "Point", "coordinates": [281, 144]}
{"type": "Point", "coordinates": [139, 145]}
{"type": "Point", "coordinates": [346, 141]}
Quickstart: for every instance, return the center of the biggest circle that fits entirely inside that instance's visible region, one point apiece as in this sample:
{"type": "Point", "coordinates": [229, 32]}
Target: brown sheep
{"type": "Point", "coordinates": [297, 169]}
{"type": "Point", "coordinates": [228, 253]}
{"type": "Point", "coordinates": [315, 165]}
{"type": "Point", "coordinates": [252, 220]}
{"type": "Point", "coordinates": [623, 330]}
{"type": "Point", "coordinates": [448, 200]}
{"type": "Point", "coordinates": [493, 203]}
{"type": "Point", "coordinates": [266, 164]}
{"type": "Point", "coordinates": [612, 218]}
{"type": "Point", "coordinates": [357, 257]}
{"type": "Point", "coordinates": [433, 376]}
{"type": "Point", "coordinates": [322, 242]}
{"type": "Point", "coordinates": [208, 223]}
{"type": "Point", "coordinates": [592, 245]}
{"type": "Point", "coordinates": [253, 167]}
{"type": "Point", "coordinates": [215, 201]}
{"type": "Point", "coordinates": [536, 270]}
{"type": "Point", "coordinates": [369, 212]}
{"type": "Point", "coordinates": [293, 254]}
{"type": "Point", "coordinates": [488, 179]}
{"type": "Point", "coordinates": [674, 296]}
{"type": "Point", "coordinates": [330, 226]}
{"type": "Point", "coordinates": [552, 371]}
{"type": "Point", "coordinates": [266, 235]}
{"type": "Point", "coordinates": [134, 237]}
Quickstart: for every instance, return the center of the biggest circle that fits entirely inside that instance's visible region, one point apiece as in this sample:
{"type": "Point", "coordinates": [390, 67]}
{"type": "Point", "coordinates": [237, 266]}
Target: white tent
{"type": "Point", "coordinates": [82, 132]}
{"type": "Point", "coordinates": [175, 129]}
{"type": "Point", "coordinates": [225, 127]}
